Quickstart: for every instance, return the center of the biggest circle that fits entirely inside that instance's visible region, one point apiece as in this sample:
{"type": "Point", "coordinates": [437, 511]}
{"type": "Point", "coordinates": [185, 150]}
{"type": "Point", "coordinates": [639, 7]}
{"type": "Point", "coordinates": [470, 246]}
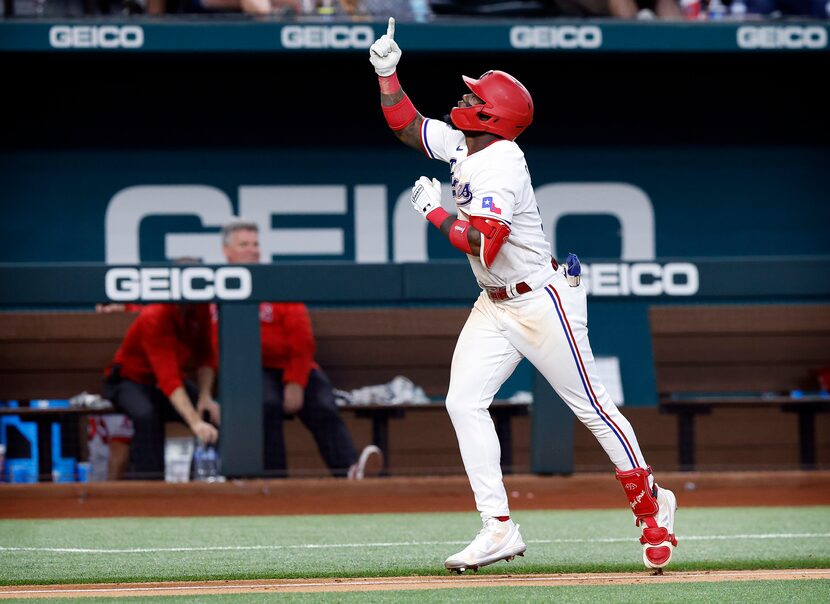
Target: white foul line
{"type": "Point", "coordinates": [226, 548]}
{"type": "Point", "coordinates": [367, 582]}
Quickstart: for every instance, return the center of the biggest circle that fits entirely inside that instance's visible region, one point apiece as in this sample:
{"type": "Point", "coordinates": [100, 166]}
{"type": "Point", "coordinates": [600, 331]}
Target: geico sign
{"type": "Point", "coordinates": [784, 36]}
{"type": "Point", "coordinates": [96, 36]}
{"type": "Point", "coordinates": [641, 279]}
{"type": "Point", "coordinates": [348, 223]}
{"type": "Point", "coordinates": [327, 36]}
{"type": "Point", "coordinates": [560, 36]}
{"type": "Point", "coordinates": [196, 283]}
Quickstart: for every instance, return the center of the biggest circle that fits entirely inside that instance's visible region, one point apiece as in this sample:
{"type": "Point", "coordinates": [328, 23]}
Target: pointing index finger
{"type": "Point", "coordinates": [390, 30]}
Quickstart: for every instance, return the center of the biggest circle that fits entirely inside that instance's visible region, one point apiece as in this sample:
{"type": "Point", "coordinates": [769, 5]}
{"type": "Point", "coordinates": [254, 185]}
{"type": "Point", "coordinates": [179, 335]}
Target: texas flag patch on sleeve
{"type": "Point", "coordinates": [487, 203]}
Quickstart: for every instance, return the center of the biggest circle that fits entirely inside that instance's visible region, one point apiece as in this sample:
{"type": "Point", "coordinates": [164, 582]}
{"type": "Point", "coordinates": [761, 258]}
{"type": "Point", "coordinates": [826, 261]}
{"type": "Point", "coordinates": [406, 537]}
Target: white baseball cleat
{"type": "Point", "coordinates": [658, 533]}
{"type": "Point", "coordinates": [496, 541]}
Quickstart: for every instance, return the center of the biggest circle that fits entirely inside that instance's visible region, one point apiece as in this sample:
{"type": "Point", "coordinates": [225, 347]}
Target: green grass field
{"type": "Point", "coordinates": [690, 593]}
{"type": "Point", "coordinates": [163, 549]}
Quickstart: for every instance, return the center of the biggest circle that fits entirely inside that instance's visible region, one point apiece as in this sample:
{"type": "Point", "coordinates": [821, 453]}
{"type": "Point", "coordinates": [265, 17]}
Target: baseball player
{"type": "Point", "coordinates": [530, 306]}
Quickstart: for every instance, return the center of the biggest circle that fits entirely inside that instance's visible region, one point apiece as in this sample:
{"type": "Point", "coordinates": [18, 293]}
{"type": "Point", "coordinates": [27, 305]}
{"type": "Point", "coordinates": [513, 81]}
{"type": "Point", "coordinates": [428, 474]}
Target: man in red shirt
{"type": "Point", "coordinates": [146, 379]}
{"type": "Point", "coordinates": [292, 382]}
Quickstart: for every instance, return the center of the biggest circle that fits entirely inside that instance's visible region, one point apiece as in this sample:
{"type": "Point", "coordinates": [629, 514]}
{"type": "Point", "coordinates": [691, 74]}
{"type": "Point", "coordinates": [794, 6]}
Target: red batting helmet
{"type": "Point", "coordinates": [507, 108]}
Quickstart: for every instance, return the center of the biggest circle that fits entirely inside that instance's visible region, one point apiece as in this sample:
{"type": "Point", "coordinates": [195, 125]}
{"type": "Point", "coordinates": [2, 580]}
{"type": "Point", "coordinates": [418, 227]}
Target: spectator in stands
{"type": "Point", "coordinates": [643, 9]}
{"type": "Point", "coordinates": [292, 383]}
{"type": "Point", "coordinates": [254, 7]}
{"type": "Point", "coordinates": [624, 9]}
{"type": "Point", "coordinates": [819, 9]}
{"type": "Point", "coordinates": [146, 380]}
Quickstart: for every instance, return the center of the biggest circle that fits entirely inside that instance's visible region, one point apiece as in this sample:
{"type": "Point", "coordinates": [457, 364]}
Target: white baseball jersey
{"type": "Point", "coordinates": [494, 183]}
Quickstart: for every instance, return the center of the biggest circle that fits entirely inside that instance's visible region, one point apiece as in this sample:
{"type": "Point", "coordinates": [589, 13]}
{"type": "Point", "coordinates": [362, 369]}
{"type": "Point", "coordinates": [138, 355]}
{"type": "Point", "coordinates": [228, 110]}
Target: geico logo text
{"type": "Point", "coordinates": [641, 279]}
{"type": "Point", "coordinates": [321, 36]}
{"type": "Point", "coordinates": [196, 283]}
{"type": "Point", "coordinates": [561, 36]}
{"type": "Point", "coordinates": [96, 36]}
{"type": "Point", "coordinates": [787, 37]}
{"type": "Point", "coordinates": [366, 223]}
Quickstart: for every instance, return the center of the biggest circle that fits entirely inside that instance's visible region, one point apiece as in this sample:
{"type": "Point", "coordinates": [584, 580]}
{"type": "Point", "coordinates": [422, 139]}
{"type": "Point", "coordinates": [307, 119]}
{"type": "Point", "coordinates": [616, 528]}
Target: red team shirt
{"type": "Point", "coordinates": [287, 339]}
{"type": "Point", "coordinates": [161, 343]}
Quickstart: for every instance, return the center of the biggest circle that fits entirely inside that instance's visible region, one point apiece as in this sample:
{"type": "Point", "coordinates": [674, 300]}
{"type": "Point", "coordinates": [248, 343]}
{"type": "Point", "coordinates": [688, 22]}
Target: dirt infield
{"type": "Point", "coordinates": [395, 495]}
{"type": "Point", "coordinates": [395, 583]}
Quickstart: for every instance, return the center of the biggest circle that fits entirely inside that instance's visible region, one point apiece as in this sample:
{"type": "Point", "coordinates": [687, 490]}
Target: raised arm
{"type": "Point", "coordinates": [400, 113]}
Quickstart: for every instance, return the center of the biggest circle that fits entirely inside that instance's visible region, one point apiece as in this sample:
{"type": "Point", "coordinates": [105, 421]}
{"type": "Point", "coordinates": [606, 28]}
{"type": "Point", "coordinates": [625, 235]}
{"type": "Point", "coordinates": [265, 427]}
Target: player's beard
{"type": "Point", "coordinates": [448, 121]}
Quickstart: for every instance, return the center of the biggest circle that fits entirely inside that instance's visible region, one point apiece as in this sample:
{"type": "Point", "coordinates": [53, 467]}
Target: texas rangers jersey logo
{"type": "Point", "coordinates": [460, 191]}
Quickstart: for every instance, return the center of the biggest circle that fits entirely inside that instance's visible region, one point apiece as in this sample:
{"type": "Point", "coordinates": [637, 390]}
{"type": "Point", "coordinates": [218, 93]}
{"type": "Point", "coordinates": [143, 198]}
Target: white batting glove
{"type": "Point", "coordinates": [426, 195]}
{"type": "Point", "coordinates": [385, 53]}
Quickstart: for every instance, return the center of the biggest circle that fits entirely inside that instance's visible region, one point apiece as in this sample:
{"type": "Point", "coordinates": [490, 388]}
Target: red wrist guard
{"type": "Point", "coordinates": [437, 217]}
{"type": "Point", "coordinates": [401, 114]}
{"type": "Point", "coordinates": [389, 84]}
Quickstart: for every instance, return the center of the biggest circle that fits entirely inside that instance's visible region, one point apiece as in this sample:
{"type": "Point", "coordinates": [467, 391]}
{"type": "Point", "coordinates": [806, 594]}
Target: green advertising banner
{"type": "Point", "coordinates": [588, 36]}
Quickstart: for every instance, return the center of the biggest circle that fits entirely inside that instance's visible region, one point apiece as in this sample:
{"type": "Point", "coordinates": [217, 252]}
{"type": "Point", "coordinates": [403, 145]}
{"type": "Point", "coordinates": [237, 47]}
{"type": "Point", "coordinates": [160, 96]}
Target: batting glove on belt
{"type": "Point", "coordinates": [573, 272]}
{"type": "Point", "coordinates": [426, 195]}
{"type": "Point", "coordinates": [385, 53]}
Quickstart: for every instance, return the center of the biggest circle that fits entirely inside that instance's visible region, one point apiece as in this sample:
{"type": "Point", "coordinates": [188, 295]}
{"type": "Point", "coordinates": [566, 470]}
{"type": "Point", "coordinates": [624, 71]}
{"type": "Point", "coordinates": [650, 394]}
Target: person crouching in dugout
{"type": "Point", "coordinates": [530, 306]}
{"type": "Point", "coordinates": [146, 380]}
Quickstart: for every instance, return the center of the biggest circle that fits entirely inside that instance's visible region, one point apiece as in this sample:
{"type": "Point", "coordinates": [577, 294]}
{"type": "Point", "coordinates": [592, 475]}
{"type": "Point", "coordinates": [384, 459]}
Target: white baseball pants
{"type": "Point", "coordinates": [548, 326]}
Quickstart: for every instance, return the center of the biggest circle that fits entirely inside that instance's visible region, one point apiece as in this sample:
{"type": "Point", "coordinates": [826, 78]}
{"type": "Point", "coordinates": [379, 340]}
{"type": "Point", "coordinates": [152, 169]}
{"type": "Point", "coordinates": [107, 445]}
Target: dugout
{"type": "Point", "coordinates": [729, 144]}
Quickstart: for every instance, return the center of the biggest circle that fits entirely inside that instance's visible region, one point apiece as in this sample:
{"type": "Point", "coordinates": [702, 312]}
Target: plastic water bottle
{"type": "Point", "coordinates": [199, 467]}
{"type": "Point", "coordinates": [212, 463]}
{"type": "Point", "coordinates": [206, 463]}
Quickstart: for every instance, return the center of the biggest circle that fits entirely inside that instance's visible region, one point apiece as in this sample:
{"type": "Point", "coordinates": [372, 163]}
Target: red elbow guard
{"type": "Point", "coordinates": [494, 234]}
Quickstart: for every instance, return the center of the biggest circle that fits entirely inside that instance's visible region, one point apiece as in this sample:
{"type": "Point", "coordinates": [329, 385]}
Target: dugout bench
{"type": "Point", "coordinates": [740, 356]}
{"type": "Point", "coordinates": [359, 347]}
{"type": "Point", "coordinates": [55, 355]}
{"type": "Point", "coordinates": [501, 411]}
